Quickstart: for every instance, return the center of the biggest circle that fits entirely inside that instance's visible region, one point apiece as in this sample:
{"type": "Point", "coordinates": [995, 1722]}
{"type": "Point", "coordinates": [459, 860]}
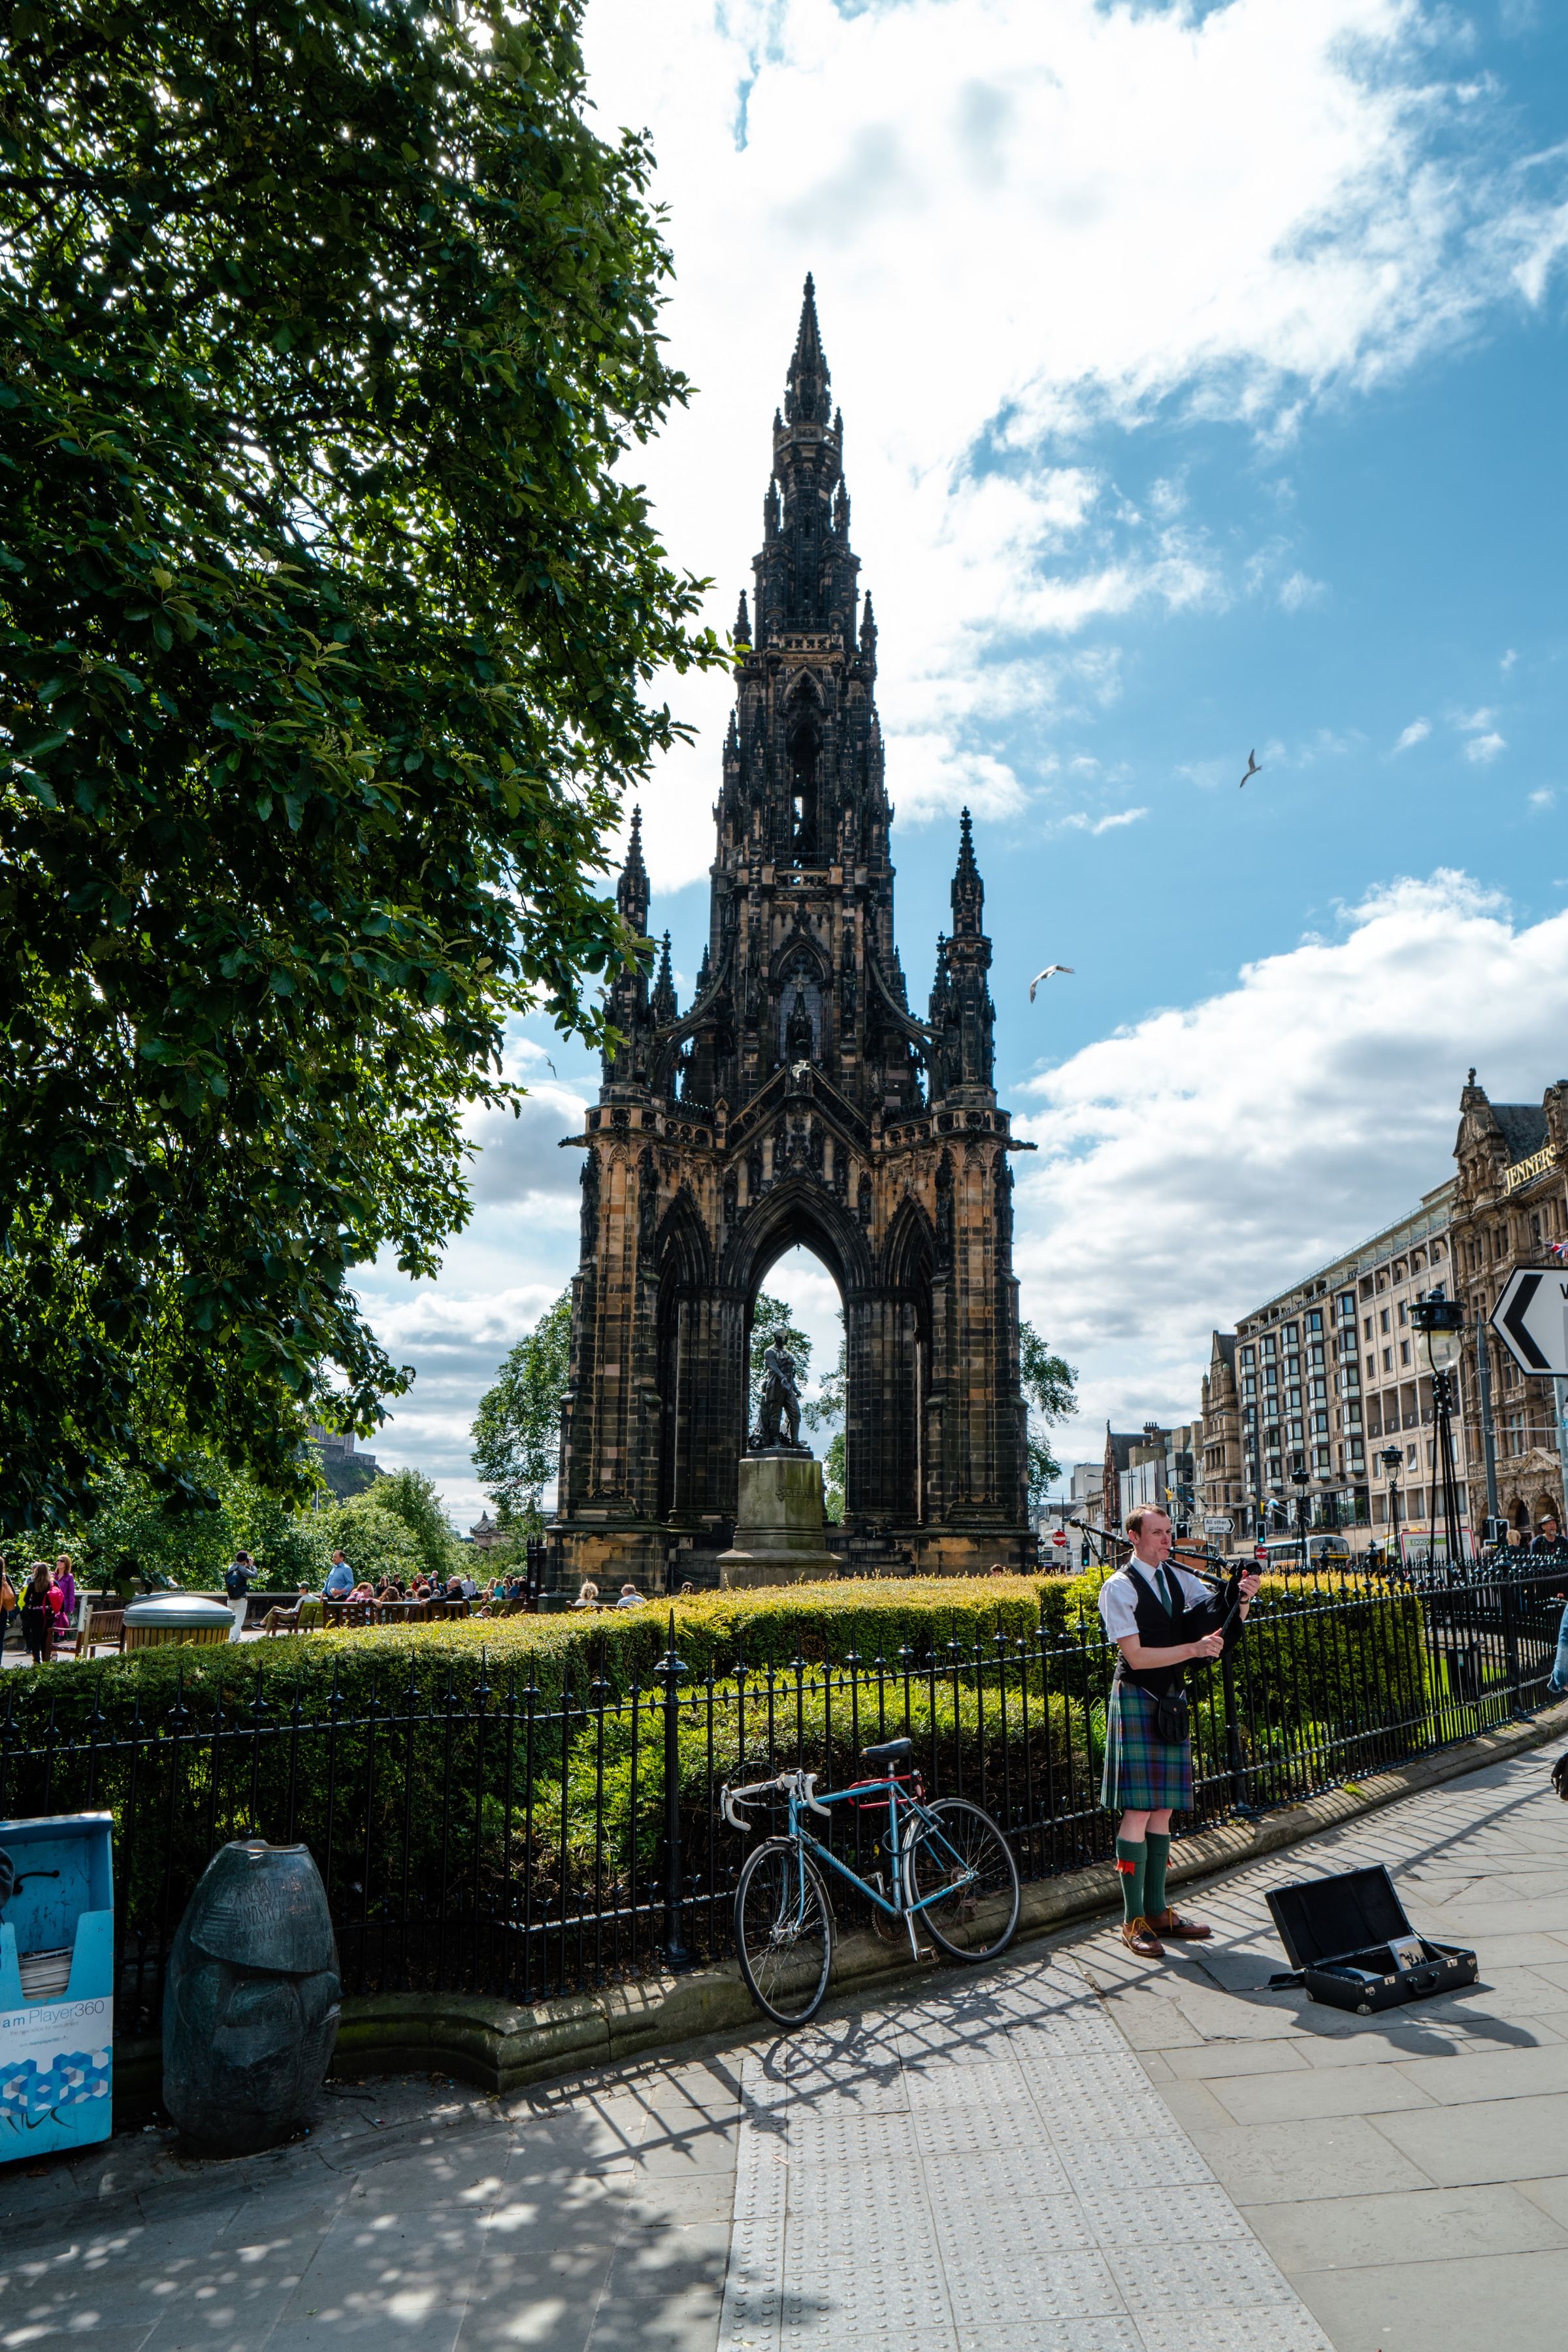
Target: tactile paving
{"type": "Point", "coordinates": [1233, 2272]}
{"type": "Point", "coordinates": [1126, 2217]}
{"type": "Point", "coordinates": [986, 2171]}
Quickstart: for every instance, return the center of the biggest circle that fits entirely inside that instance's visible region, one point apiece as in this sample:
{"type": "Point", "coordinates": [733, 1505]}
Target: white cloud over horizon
{"type": "Point", "coordinates": [1193, 1166]}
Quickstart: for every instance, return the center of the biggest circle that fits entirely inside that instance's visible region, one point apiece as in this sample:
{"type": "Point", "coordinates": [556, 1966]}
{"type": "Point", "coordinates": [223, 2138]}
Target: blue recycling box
{"type": "Point", "coordinates": [56, 1983]}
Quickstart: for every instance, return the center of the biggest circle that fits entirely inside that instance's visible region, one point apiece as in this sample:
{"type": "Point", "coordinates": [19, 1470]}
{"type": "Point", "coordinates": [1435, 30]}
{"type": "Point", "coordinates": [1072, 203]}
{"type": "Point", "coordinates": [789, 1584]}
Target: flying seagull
{"type": "Point", "coordinates": [1252, 767]}
{"type": "Point", "coordinates": [1049, 973]}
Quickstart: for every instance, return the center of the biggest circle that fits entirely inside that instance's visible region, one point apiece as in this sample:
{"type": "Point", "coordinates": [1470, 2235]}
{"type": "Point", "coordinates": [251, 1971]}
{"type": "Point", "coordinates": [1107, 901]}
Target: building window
{"type": "Point", "coordinates": [1405, 1351]}
{"type": "Point", "coordinates": [1367, 1326]}
{"type": "Point", "coordinates": [1372, 1368]}
{"type": "Point", "coordinates": [1388, 1359]}
{"type": "Point", "coordinates": [1383, 1318]}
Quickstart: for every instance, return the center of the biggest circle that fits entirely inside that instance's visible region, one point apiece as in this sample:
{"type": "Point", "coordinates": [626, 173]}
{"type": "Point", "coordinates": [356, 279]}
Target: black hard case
{"type": "Point", "coordinates": [1336, 1932]}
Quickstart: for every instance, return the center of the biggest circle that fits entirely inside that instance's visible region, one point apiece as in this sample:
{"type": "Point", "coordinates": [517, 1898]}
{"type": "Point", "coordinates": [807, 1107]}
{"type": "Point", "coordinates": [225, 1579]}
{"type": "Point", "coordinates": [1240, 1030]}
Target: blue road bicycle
{"type": "Point", "coordinates": [947, 1864]}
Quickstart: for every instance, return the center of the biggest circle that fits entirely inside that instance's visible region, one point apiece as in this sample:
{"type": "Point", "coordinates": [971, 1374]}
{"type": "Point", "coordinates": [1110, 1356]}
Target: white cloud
{"type": "Point", "coordinates": [1079, 821]}
{"type": "Point", "coordinates": [1417, 732]}
{"type": "Point", "coordinates": [1543, 798]}
{"type": "Point", "coordinates": [1300, 589]}
{"type": "Point", "coordinates": [1026, 221]}
{"type": "Point", "coordinates": [521, 1159]}
{"type": "Point", "coordinates": [1484, 749]}
{"type": "Point", "coordinates": [1194, 1165]}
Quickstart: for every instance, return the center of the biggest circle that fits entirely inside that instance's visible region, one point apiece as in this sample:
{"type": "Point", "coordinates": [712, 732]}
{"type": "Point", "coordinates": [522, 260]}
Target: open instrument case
{"type": "Point", "coordinates": [1350, 1943]}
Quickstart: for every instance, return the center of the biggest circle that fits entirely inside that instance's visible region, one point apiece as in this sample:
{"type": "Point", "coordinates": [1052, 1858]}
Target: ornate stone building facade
{"type": "Point", "coordinates": [799, 1101]}
{"type": "Point", "coordinates": [1510, 1206]}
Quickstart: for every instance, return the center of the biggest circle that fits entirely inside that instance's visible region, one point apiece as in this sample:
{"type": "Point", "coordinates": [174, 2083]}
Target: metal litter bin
{"type": "Point", "coordinates": [176, 1617]}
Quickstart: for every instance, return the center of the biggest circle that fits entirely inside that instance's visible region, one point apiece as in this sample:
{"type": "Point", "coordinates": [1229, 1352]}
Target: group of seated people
{"type": "Point", "coordinates": [503, 1591]}
{"type": "Point", "coordinates": [630, 1598]}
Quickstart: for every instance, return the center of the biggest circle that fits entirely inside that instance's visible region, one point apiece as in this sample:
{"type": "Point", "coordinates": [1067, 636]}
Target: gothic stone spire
{"type": "Point", "coordinates": [806, 398]}
{"type": "Point", "coordinates": [797, 1099]}
{"type": "Point", "coordinates": [632, 893]}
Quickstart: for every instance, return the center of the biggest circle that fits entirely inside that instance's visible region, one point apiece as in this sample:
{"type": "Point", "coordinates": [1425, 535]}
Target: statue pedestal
{"type": "Point", "coordinates": [778, 1523]}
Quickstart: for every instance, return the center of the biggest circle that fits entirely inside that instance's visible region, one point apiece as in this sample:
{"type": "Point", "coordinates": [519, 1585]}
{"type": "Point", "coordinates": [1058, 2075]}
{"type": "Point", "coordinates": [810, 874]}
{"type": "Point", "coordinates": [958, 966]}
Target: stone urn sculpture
{"type": "Point", "coordinates": [251, 2000]}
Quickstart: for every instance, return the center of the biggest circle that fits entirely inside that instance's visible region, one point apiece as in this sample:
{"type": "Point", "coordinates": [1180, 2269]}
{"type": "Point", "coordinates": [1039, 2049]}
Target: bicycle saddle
{"type": "Point", "coordinates": [891, 1751]}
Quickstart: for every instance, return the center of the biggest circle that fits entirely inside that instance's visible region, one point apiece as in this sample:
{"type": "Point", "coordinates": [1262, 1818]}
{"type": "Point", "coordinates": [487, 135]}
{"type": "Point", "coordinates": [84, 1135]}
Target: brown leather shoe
{"type": "Point", "coordinates": [1140, 1938]}
{"type": "Point", "coordinates": [1192, 1931]}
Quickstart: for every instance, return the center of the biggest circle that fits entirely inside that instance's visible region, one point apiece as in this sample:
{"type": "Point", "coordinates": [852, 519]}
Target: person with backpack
{"type": "Point", "coordinates": [1160, 1619]}
{"type": "Point", "coordinates": [237, 1584]}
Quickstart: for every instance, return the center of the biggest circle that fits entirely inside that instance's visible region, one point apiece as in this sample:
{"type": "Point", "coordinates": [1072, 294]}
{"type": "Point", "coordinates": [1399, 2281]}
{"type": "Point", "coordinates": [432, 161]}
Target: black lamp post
{"type": "Point", "coordinates": [1298, 1479]}
{"type": "Point", "coordinates": [1393, 1460]}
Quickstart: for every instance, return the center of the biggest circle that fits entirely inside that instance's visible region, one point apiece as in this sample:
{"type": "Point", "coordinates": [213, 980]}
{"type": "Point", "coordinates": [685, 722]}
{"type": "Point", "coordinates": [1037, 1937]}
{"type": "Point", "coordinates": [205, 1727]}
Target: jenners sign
{"type": "Point", "coordinates": [1523, 1170]}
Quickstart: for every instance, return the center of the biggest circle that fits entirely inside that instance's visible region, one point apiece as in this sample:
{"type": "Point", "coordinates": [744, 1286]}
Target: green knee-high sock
{"type": "Point", "coordinates": [1154, 1875]}
{"type": "Point", "coordinates": [1130, 1859]}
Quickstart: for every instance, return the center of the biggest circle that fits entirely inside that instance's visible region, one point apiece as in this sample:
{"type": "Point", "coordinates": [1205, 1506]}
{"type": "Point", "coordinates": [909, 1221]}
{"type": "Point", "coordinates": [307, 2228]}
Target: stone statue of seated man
{"type": "Point", "coordinates": [780, 1399]}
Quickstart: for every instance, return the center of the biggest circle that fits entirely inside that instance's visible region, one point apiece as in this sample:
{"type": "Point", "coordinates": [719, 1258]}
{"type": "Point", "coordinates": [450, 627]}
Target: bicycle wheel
{"type": "Point", "coordinates": [783, 1932]}
{"type": "Point", "coordinates": [959, 1847]}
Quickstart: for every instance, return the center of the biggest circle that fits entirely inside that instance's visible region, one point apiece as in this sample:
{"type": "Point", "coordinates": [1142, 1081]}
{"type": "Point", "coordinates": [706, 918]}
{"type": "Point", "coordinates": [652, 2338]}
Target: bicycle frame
{"type": "Point", "coordinates": [803, 1798]}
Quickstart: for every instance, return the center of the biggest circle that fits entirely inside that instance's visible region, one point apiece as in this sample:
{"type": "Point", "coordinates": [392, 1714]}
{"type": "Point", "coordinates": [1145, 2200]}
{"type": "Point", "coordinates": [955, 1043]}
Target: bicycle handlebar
{"type": "Point", "coordinates": [801, 1784]}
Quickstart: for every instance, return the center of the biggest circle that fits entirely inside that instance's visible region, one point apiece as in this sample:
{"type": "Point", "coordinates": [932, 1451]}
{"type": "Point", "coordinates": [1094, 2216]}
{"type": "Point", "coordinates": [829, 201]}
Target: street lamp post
{"type": "Point", "coordinates": [1298, 1479]}
{"type": "Point", "coordinates": [1393, 1460]}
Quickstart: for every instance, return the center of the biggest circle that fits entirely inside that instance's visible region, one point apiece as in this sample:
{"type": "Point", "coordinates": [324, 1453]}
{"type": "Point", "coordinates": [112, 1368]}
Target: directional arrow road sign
{"type": "Point", "coordinates": [1532, 1316]}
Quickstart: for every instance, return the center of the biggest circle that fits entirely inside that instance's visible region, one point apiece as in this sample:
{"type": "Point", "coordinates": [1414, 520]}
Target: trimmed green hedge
{"type": "Point", "coordinates": [436, 1770]}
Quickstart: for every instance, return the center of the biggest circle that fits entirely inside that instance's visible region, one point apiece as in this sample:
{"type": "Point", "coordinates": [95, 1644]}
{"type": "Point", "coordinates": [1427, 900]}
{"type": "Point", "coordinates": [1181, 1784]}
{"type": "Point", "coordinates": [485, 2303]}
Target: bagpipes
{"type": "Point", "coordinates": [1223, 1576]}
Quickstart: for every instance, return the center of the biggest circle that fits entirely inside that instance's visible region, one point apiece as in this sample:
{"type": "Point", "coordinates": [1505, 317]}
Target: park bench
{"type": "Point", "coordinates": [100, 1627]}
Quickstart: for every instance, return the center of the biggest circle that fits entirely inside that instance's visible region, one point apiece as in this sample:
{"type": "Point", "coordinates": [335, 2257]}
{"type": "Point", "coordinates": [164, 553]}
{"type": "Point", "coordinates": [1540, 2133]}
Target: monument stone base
{"type": "Point", "coordinates": [779, 1536]}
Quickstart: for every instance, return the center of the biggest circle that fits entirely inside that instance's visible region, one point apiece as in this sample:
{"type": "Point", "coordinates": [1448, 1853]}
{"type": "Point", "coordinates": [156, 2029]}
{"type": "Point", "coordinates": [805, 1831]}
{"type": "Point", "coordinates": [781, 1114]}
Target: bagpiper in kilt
{"type": "Point", "coordinates": [1160, 1618]}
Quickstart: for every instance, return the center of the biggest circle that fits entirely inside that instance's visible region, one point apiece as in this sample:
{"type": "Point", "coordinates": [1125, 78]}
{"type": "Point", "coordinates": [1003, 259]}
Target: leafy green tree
{"type": "Point", "coordinates": [1050, 1384]}
{"type": "Point", "coordinates": [374, 1542]}
{"type": "Point", "coordinates": [834, 1473]}
{"type": "Point", "coordinates": [328, 604]}
{"type": "Point", "coordinates": [410, 1497]}
{"type": "Point", "coordinates": [517, 1436]}
{"type": "Point", "coordinates": [136, 1537]}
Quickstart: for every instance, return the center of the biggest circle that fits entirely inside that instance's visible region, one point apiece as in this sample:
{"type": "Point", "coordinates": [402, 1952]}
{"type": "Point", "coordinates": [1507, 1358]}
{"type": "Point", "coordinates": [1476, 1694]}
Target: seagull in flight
{"type": "Point", "coordinates": [1252, 767]}
{"type": "Point", "coordinates": [1049, 973]}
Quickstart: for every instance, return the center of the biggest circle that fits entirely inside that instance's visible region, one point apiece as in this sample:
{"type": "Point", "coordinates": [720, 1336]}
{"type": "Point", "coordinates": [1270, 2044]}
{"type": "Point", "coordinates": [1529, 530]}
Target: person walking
{"type": "Point", "coordinates": [1160, 1618]}
{"type": "Point", "coordinates": [7, 1607]}
{"type": "Point", "coordinates": [237, 1579]}
{"type": "Point", "coordinates": [37, 1613]}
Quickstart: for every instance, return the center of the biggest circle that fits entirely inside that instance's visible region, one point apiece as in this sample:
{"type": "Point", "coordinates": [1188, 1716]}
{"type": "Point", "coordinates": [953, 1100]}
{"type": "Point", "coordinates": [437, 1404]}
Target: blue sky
{"type": "Point", "coordinates": [1203, 376]}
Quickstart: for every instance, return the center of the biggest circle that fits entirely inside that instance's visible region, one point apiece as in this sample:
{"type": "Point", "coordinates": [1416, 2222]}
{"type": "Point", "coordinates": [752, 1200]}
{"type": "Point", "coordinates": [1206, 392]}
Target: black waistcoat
{"type": "Point", "coordinates": [1161, 1629]}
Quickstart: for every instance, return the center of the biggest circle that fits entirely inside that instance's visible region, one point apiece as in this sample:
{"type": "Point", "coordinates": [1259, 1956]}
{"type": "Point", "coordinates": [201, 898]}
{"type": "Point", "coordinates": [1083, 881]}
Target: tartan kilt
{"type": "Point", "coordinates": [1143, 1774]}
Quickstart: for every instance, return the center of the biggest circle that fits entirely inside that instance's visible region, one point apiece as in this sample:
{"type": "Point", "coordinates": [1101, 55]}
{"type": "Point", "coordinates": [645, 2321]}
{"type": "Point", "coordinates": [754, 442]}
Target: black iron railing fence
{"type": "Point", "coordinates": [476, 1835]}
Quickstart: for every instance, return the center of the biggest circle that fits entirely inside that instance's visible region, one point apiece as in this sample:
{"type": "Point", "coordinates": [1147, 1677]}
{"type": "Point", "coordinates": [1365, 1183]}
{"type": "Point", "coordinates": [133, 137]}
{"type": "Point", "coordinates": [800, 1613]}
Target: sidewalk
{"type": "Point", "coordinates": [1408, 2172]}
{"type": "Point", "coordinates": [1072, 2152]}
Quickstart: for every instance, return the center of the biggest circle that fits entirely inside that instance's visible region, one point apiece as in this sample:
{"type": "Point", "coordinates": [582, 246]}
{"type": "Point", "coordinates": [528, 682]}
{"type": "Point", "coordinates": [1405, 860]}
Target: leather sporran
{"type": "Point", "coordinates": [1172, 1718]}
